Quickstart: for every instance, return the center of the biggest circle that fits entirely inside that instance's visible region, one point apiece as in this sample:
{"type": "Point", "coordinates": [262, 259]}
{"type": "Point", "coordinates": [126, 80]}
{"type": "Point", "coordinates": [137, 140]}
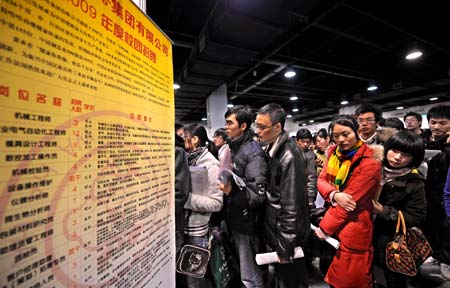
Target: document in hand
{"type": "Point", "coordinates": [272, 257]}
{"type": "Point", "coordinates": [330, 240]}
{"type": "Point", "coordinates": [226, 176]}
{"type": "Point", "coordinates": [199, 179]}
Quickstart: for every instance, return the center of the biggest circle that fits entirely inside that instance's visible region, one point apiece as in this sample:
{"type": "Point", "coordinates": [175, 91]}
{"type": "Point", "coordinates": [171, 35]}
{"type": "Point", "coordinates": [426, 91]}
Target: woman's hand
{"type": "Point", "coordinates": [345, 201]}
{"type": "Point", "coordinates": [319, 234]}
{"type": "Point", "coordinates": [377, 207]}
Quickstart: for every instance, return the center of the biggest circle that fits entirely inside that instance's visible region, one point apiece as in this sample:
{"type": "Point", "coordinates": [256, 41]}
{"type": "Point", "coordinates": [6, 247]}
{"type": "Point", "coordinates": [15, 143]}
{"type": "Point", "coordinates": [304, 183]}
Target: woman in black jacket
{"type": "Point", "coordinates": [403, 188]}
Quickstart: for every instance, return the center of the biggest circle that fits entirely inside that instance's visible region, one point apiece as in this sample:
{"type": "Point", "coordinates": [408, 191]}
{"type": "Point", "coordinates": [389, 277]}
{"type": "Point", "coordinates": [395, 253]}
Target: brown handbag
{"type": "Point", "coordinates": [398, 256]}
{"type": "Point", "coordinates": [418, 245]}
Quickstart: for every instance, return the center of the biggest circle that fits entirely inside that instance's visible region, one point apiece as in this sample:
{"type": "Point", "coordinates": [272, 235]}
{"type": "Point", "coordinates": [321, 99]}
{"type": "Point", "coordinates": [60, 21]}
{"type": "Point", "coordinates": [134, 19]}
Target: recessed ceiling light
{"type": "Point", "coordinates": [289, 116]}
{"type": "Point", "coordinates": [176, 86]}
{"type": "Point", "coordinates": [400, 108]}
{"type": "Point", "coordinates": [295, 110]}
{"type": "Point", "coordinates": [304, 124]}
{"type": "Point", "coordinates": [344, 102]}
{"type": "Point", "coordinates": [289, 73]}
{"type": "Point", "coordinates": [311, 121]}
{"type": "Point", "coordinates": [204, 119]}
{"type": "Point", "coordinates": [230, 105]}
{"type": "Point", "coordinates": [434, 98]}
{"type": "Point", "coordinates": [413, 55]}
{"type": "Point", "coordinates": [372, 87]}
{"type": "Point", "coordinates": [293, 98]}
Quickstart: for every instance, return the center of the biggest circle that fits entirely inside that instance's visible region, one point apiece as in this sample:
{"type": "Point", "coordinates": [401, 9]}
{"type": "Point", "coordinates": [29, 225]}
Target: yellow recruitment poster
{"type": "Point", "coordinates": [86, 141]}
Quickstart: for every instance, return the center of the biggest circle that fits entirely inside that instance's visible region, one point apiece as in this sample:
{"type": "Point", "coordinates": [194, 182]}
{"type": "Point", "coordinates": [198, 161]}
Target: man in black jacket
{"type": "Point", "coordinates": [243, 205]}
{"type": "Point", "coordinates": [287, 215]}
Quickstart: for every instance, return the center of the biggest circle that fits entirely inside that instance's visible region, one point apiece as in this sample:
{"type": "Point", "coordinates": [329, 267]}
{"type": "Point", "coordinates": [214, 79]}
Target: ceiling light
{"type": "Point", "coordinates": [289, 116]}
{"type": "Point", "coordinates": [230, 105]}
{"type": "Point", "coordinates": [176, 86]}
{"type": "Point", "coordinates": [304, 124]}
{"type": "Point", "coordinates": [434, 98]}
{"type": "Point", "coordinates": [295, 110]}
{"type": "Point", "coordinates": [204, 119]}
{"type": "Point", "coordinates": [344, 102]}
{"type": "Point", "coordinates": [372, 87]}
{"type": "Point", "coordinates": [289, 73]}
{"type": "Point", "coordinates": [414, 54]}
{"type": "Point", "coordinates": [400, 108]}
{"type": "Point", "coordinates": [293, 98]}
{"type": "Point", "coordinates": [311, 121]}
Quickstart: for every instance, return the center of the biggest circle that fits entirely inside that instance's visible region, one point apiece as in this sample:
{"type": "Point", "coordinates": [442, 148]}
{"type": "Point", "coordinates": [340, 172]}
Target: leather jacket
{"type": "Point", "coordinates": [287, 212]}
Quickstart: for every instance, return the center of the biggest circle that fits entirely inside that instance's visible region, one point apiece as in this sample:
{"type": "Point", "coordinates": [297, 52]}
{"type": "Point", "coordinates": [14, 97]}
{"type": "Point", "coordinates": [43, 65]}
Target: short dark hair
{"type": "Point", "coordinates": [303, 133]}
{"type": "Point", "coordinates": [436, 112]}
{"type": "Point", "coordinates": [275, 112]}
{"type": "Point", "coordinates": [243, 115]}
{"type": "Point", "coordinates": [406, 142]}
{"type": "Point", "coordinates": [222, 133]}
{"type": "Point", "coordinates": [414, 114]}
{"type": "Point", "coordinates": [367, 108]}
{"type": "Point", "coordinates": [393, 123]}
{"type": "Point", "coordinates": [344, 120]}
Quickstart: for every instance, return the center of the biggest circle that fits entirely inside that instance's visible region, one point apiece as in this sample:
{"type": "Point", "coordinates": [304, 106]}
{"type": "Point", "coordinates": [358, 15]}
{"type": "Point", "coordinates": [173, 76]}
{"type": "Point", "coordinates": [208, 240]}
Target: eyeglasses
{"type": "Point", "coordinates": [368, 120]}
{"type": "Point", "coordinates": [263, 127]}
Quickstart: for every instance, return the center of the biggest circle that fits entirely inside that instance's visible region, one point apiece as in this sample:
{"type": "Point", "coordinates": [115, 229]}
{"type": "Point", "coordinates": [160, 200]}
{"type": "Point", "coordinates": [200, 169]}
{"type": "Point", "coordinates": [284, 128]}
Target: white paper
{"type": "Point", "coordinates": [330, 240]}
{"type": "Point", "coordinates": [272, 257]}
{"type": "Point", "coordinates": [431, 153]}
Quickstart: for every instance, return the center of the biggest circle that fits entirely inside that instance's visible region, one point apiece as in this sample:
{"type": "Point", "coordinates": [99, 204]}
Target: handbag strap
{"type": "Point", "coordinates": [400, 221]}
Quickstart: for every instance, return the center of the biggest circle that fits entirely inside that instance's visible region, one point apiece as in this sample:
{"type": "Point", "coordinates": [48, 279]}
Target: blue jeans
{"type": "Point", "coordinates": [247, 246]}
{"type": "Point", "coordinates": [192, 282]}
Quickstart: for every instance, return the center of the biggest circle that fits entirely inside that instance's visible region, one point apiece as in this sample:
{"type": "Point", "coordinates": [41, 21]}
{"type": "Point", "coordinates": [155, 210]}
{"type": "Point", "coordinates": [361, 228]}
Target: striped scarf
{"type": "Point", "coordinates": [195, 155]}
{"type": "Point", "coordinates": [339, 164]}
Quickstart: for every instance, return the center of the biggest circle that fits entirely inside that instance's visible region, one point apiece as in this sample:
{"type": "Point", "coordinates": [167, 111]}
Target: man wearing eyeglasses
{"type": "Point", "coordinates": [287, 215]}
{"type": "Point", "coordinates": [413, 122]}
{"type": "Point", "coordinates": [368, 117]}
{"type": "Point", "coordinates": [243, 206]}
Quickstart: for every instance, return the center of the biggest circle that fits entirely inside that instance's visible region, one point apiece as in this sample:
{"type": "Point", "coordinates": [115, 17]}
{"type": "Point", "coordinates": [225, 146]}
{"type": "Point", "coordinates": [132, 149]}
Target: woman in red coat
{"type": "Point", "coordinates": [349, 181]}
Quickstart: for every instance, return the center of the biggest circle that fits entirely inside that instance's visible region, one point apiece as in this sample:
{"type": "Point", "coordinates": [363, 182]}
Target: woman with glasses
{"type": "Point", "coordinates": [349, 181]}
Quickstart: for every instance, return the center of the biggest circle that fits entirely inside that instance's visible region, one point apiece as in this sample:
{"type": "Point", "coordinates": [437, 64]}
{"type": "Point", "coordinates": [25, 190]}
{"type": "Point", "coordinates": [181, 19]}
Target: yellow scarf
{"type": "Point", "coordinates": [339, 164]}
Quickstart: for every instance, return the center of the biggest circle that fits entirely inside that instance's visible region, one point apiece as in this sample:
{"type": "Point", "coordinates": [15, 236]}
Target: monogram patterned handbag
{"type": "Point", "coordinates": [418, 245]}
{"type": "Point", "coordinates": [398, 256]}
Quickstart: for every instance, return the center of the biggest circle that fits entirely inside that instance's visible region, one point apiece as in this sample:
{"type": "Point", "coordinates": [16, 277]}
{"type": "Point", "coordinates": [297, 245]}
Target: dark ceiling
{"type": "Point", "coordinates": [336, 47]}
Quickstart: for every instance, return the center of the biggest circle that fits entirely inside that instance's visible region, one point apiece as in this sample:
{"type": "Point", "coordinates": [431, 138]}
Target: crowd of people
{"type": "Point", "coordinates": [349, 180]}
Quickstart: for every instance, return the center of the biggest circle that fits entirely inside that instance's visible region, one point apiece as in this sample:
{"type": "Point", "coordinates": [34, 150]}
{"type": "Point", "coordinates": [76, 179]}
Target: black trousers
{"type": "Point", "coordinates": [291, 275]}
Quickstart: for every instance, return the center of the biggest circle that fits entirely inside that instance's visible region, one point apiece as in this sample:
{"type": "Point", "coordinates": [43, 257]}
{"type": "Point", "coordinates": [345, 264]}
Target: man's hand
{"type": "Point", "coordinates": [225, 189]}
{"type": "Point", "coordinates": [281, 261]}
{"type": "Point", "coordinates": [345, 201]}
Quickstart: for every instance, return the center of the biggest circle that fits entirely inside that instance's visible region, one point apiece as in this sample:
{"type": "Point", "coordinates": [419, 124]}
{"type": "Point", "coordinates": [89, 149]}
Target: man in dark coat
{"type": "Point", "coordinates": [243, 205]}
{"type": "Point", "coordinates": [182, 186]}
{"type": "Point", "coordinates": [287, 215]}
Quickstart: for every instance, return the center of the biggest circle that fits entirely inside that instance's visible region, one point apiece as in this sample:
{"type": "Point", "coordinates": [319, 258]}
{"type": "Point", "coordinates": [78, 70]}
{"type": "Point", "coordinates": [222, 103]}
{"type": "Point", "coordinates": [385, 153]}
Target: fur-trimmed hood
{"type": "Point", "coordinates": [383, 134]}
{"type": "Point", "coordinates": [377, 152]}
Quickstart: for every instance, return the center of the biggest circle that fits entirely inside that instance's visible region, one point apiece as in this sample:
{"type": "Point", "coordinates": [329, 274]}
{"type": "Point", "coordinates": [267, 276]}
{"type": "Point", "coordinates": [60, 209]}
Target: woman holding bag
{"type": "Point", "coordinates": [403, 188]}
{"type": "Point", "coordinates": [349, 180]}
{"type": "Point", "coordinates": [200, 204]}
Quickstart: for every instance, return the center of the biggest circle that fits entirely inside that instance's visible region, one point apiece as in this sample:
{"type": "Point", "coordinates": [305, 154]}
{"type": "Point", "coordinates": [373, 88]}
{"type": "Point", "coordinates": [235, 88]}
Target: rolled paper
{"type": "Point", "coordinates": [330, 240]}
{"type": "Point", "coordinates": [272, 257]}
